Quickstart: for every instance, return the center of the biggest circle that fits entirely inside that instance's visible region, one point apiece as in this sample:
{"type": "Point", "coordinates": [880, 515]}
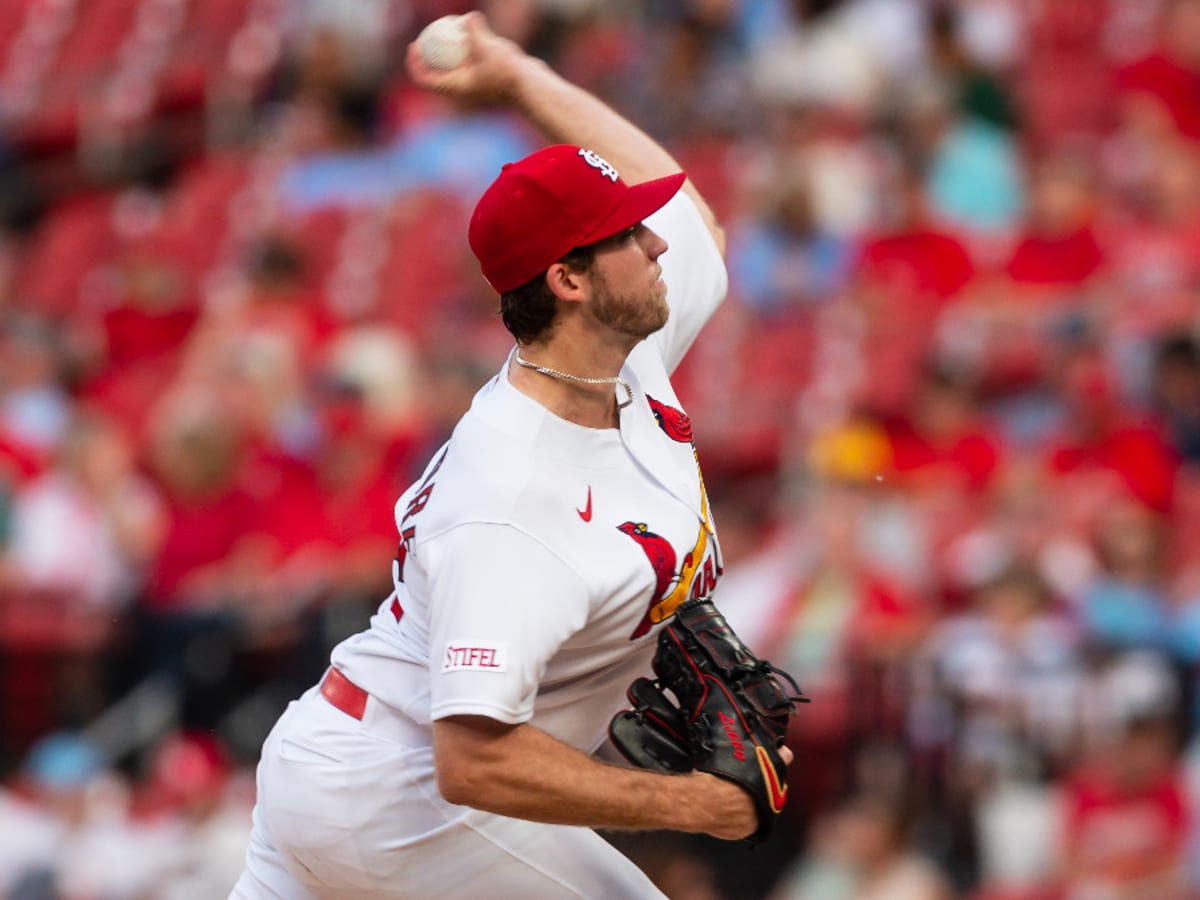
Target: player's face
{"type": "Point", "coordinates": [629, 295]}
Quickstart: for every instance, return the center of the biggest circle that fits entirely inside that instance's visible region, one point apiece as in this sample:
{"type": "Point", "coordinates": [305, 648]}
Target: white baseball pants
{"type": "Point", "coordinates": [350, 809]}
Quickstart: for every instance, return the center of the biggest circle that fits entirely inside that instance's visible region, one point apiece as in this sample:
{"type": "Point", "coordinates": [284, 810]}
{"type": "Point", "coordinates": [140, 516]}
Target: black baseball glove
{"type": "Point", "coordinates": [727, 712]}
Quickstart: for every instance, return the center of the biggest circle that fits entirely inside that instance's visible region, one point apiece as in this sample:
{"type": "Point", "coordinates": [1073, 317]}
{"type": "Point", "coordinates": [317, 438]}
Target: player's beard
{"type": "Point", "coordinates": [633, 314]}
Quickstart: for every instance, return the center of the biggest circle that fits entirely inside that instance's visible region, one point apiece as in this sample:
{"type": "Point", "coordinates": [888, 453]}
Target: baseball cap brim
{"type": "Point", "coordinates": [640, 201]}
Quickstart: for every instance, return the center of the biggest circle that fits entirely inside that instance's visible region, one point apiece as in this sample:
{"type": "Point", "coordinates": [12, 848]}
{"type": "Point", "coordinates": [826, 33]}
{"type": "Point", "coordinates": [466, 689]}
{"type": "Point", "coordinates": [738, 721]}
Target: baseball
{"type": "Point", "coordinates": [443, 43]}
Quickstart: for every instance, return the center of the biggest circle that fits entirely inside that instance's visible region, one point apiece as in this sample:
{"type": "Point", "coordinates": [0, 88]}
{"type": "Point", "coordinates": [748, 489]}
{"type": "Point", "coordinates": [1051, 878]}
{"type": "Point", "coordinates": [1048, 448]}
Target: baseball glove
{"type": "Point", "coordinates": [729, 716]}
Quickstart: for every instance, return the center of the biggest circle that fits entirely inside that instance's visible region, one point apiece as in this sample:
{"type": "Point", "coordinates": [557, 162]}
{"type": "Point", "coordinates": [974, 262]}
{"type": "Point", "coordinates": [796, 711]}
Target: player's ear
{"type": "Point", "coordinates": [566, 283]}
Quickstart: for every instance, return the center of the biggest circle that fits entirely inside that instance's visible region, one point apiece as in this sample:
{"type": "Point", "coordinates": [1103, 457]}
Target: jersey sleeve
{"type": "Point", "coordinates": [499, 611]}
{"type": "Point", "coordinates": [694, 272]}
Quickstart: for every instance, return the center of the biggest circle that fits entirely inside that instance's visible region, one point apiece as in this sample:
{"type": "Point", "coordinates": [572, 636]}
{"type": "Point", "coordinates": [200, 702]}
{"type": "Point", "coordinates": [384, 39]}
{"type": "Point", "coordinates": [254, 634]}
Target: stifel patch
{"type": "Point", "coordinates": [474, 656]}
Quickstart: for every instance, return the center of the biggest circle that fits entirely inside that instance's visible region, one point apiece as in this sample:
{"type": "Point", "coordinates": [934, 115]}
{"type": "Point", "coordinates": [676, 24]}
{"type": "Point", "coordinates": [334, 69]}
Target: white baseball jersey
{"type": "Point", "coordinates": [536, 555]}
{"type": "Point", "coordinates": [536, 560]}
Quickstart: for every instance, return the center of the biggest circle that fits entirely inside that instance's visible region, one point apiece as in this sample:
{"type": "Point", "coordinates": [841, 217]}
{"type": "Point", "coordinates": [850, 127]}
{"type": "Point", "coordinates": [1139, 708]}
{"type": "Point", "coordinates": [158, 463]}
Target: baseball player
{"type": "Point", "coordinates": [447, 751]}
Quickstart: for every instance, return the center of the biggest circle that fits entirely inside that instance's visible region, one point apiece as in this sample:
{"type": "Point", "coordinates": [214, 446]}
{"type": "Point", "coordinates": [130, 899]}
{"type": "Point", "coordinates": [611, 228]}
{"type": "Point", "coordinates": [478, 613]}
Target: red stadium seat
{"type": "Point", "coordinates": [99, 30]}
{"type": "Point", "coordinates": [428, 259]}
{"type": "Point", "coordinates": [75, 237]}
{"type": "Point", "coordinates": [12, 18]}
{"type": "Point", "coordinates": [200, 51]}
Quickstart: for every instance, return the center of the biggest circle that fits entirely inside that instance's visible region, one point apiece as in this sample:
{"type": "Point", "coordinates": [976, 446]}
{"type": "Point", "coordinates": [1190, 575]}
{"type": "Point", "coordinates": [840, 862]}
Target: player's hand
{"type": "Point", "coordinates": [730, 814]}
{"type": "Point", "coordinates": [734, 817]}
{"type": "Point", "coordinates": [489, 75]}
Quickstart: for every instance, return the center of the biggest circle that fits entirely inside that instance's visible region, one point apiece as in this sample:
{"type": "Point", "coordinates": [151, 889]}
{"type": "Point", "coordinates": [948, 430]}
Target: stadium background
{"type": "Point", "coordinates": [949, 416]}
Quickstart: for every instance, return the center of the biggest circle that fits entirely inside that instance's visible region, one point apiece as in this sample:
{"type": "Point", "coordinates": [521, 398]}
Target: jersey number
{"type": "Point", "coordinates": [408, 533]}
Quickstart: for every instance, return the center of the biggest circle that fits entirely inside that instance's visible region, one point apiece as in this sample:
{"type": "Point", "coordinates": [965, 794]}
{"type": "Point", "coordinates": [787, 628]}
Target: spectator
{"type": "Point", "coordinates": [255, 338]}
{"type": "Point", "coordinates": [1103, 442]}
{"type": "Point", "coordinates": [813, 57]}
{"type": "Point", "coordinates": [998, 684]}
{"type": "Point", "coordinates": [781, 260]}
{"type": "Point", "coordinates": [88, 528]}
{"type": "Point", "coordinates": [211, 565]}
{"type": "Point", "coordinates": [66, 828]}
{"type": "Point", "coordinates": [1057, 250]}
{"type": "Point", "coordinates": [1028, 520]}
{"type": "Point", "coordinates": [40, 805]}
{"type": "Point", "coordinates": [327, 530]}
{"type": "Point", "coordinates": [911, 262]}
{"type": "Point", "coordinates": [696, 81]}
{"type": "Point", "coordinates": [196, 461]}
{"type": "Point", "coordinates": [1175, 391]}
{"type": "Point", "coordinates": [993, 709]}
{"type": "Point", "coordinates": [34, 405]}
{"type": "Point", "coordinates": [197, 815]}
{"type": "Point", "coordinates": [1127, 817]}
{"type": "Point", "coordinates": [130, 334]}
{"type": "Point", "coordinates": [974, 179]}
{"type": "Point", "coordinates": [979, 93]}
{"type": "Point", "coordinates": [1151, 245]}
{"type": "Point", "coordinates": [835, 618]}
{"type": "Point", "coordinates": [941, 436]}
{"type": "Point", "coordinates": [861, 852]}
{"type": "Point", "coordinates": [1156, 92]}
{"type": "Point", "coordinates": [1127, 605]}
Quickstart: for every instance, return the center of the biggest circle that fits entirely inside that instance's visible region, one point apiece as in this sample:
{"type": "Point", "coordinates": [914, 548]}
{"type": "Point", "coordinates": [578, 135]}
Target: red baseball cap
{"type": "Point", "coordinates": [550, 202]}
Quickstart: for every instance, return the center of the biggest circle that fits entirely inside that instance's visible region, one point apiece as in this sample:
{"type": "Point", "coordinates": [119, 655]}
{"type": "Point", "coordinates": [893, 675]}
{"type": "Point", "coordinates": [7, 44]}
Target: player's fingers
{"type": "Point", "coordinates": [420, 70]}
{"type": "Point", "coordinates": [417, 70]}
{"type": "Point", "coordinates": [786, 755]}
{"type": "Point", "coordinates": [424, 76]}
{"type": "Point", "coordinates": [485, 45]}
{"type": "Point", "coordinates": [476, 25]}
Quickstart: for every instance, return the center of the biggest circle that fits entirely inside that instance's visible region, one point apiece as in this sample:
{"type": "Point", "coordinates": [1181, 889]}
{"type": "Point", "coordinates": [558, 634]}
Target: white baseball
{"type": "Point", "coordinates": [443, 43]}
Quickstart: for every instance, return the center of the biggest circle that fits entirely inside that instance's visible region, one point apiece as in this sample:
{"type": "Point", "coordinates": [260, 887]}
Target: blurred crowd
{"type": "Point", "coordinates": [949, 416]}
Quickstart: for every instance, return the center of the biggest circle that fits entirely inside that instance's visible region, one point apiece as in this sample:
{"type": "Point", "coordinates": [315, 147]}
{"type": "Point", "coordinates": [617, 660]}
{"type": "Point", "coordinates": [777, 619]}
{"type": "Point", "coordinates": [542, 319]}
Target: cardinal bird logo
{"type": "Point", "coordinates": [662, 559]}
{"type": "Point", "coordinates": [671, 588]}
{"type": "Point", "coordinates": [698, 574]}
{"type": "Point", "coordinates": [675, 423]}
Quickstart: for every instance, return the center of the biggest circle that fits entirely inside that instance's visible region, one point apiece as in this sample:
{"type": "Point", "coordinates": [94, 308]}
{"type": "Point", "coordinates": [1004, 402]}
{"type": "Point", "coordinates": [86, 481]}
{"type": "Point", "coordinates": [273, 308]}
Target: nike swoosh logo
{"type": "Point", "coordinates": [586, 512]}
{"type": "Point", "coordinates": [776, 792]}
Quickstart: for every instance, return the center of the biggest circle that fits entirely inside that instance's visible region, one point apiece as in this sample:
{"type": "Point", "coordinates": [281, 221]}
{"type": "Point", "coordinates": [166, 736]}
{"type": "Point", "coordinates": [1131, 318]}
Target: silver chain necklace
{"type": "Point", "coordinates": [563, 376]}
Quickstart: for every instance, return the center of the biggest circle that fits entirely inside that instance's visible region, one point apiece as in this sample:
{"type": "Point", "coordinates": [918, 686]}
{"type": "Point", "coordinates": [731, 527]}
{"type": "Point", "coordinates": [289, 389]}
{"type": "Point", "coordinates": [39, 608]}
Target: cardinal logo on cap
{"type": "Point", "coordinates": [595, 160]}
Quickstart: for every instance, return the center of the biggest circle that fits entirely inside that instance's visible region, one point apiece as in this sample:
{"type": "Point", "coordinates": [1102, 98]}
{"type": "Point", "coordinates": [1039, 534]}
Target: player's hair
{"type": "Point", "coordinates": [528, 311]}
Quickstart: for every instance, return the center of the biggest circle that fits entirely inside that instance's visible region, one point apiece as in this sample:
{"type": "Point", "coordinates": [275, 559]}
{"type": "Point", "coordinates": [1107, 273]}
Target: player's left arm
{"type": "Point", "coordinates": [499, 71]}
{"type": "Point", "coordinates": [522, 772]}
{"type": "Point", "coordinates": [512, 602]}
